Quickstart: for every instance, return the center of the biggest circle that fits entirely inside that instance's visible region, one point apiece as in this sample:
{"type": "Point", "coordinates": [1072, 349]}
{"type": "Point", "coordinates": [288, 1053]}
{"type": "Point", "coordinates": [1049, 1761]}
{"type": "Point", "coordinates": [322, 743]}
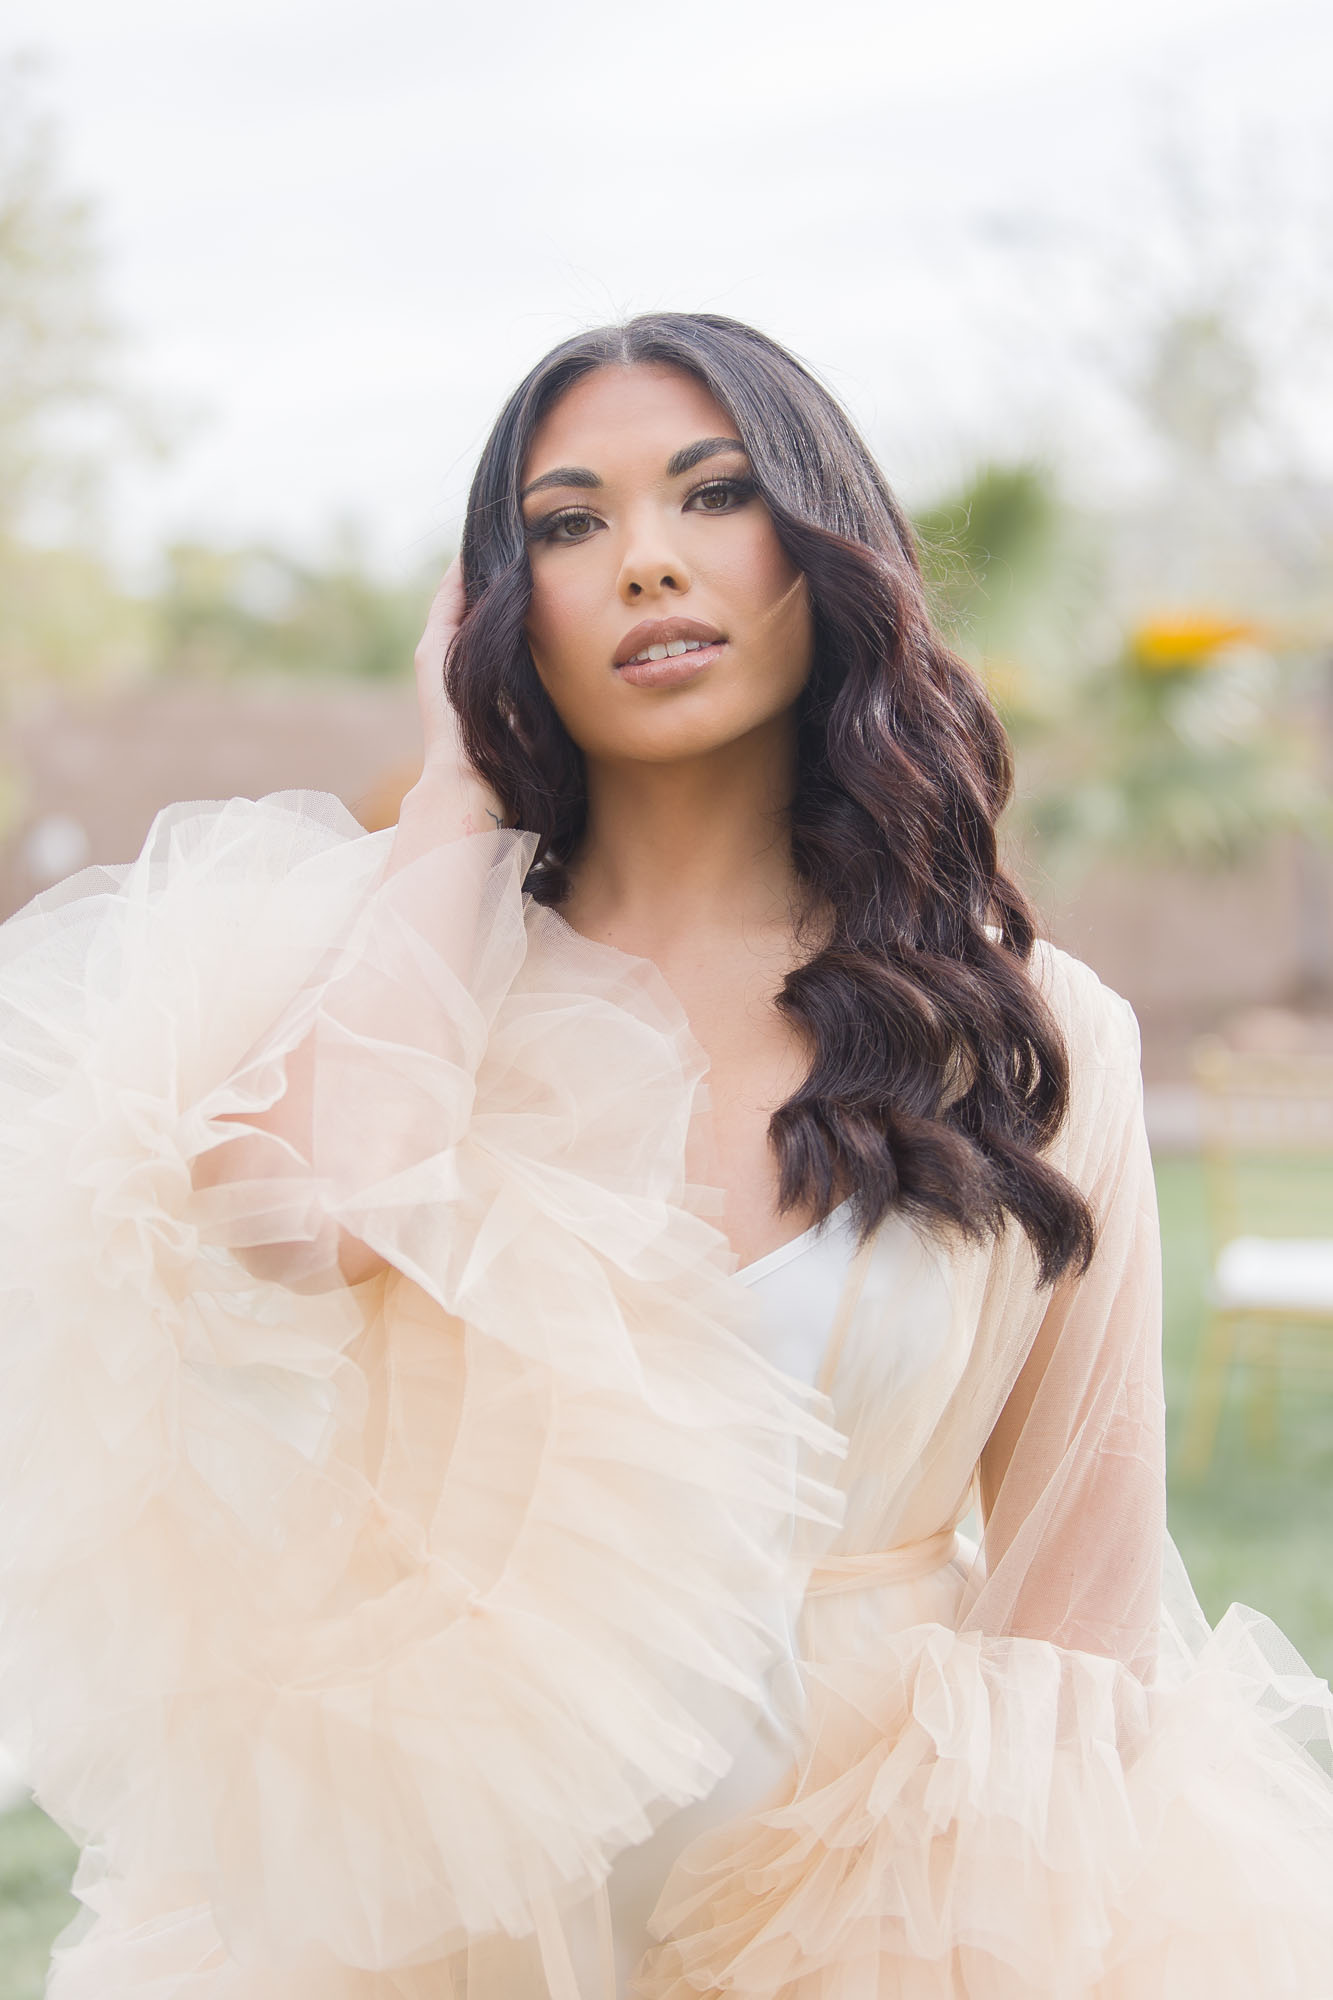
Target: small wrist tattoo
{"type": "Point", "coordinates": [473, 827]}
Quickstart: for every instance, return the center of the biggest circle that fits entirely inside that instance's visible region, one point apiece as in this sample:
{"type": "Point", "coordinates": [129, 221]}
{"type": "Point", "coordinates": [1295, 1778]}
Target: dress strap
{"type": "Point", "coordinates": [848, 1301]}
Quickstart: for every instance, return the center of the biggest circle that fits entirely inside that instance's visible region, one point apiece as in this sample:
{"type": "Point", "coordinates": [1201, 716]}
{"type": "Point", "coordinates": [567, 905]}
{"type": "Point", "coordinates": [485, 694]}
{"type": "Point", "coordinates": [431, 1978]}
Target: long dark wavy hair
{"type": "Point", "coordinates": [938, 1074]}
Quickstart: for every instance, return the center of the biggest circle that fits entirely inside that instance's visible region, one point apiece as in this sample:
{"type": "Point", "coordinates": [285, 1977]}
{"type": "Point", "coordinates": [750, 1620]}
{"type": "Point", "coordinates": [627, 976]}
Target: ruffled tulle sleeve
{"type": "Point", "coordinates": [350, 1625]}
{"type": "Point", "coordinates": [1073, 1475]}
{"type": "Point", "coordinates": [1073, 1789]}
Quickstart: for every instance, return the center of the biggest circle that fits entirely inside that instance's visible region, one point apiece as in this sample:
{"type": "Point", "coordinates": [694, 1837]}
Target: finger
{"type": "Point", "coordinates": [451, 598]}
{"type": "Point", "coordinates": [443, 619]}
{"type": "Point", "coordinates": [442, 622]}
{"type": "Point", "coordinates": [438, 722]}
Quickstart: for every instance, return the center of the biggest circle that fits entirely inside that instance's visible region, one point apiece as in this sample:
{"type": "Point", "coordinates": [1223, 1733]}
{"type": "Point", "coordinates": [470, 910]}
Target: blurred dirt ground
{"type": "Point", "coordinates": [1186, 948]}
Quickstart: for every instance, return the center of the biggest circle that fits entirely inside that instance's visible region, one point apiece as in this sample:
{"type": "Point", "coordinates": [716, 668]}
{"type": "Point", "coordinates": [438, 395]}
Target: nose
{"type": "Point", "coordinates": [650, 566]}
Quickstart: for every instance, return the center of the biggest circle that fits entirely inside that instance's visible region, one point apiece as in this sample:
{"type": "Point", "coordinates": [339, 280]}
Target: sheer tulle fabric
{"type": "Point", "coordinates": [1038, 1772]}
{"type": "Point", "coordinates": [387, 1615]}
{"type": "Point", "coordinates": [355, 1629]}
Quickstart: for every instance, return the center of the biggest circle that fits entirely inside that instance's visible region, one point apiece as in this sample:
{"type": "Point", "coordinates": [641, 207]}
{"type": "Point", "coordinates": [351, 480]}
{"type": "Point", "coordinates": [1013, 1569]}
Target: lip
{"type": "Point", "coordinates": [661, 632]}
{"type": "Point", "coordinates": [671, 672]}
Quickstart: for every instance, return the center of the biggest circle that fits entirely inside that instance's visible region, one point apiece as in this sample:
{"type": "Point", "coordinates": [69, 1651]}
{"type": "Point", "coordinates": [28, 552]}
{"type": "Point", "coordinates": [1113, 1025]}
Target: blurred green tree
{"type": "Point", "coordinates": [63, 403]}
{"type": "Point", "coordinates": [64, 411]}
{"type": "Point", "coordinates": [1015, 577]}
{"type": "Point", "coordinates": [66, 416]}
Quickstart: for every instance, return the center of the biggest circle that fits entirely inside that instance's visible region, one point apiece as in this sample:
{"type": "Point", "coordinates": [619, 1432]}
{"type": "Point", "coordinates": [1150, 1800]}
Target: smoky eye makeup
{"type": "Point", "coordinates": [736, 487]}
{"type": "Point", "coordinates": [562, 524]}
{"type": "Point", "coordinates": [545, 528]}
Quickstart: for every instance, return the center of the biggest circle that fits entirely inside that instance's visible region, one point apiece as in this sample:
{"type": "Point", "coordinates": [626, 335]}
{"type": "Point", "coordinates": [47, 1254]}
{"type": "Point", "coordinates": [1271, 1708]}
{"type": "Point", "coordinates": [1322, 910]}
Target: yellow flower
{"type": "Point", "coordinates": [1170, 644]}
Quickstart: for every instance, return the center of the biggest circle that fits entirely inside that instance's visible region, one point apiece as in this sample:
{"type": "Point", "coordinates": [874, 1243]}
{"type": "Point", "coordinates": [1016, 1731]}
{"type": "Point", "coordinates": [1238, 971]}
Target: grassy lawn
{"type": "Point", "coordinates": [36, 1862]}
{"type": "Point", "coordinates": [1257, 1530]}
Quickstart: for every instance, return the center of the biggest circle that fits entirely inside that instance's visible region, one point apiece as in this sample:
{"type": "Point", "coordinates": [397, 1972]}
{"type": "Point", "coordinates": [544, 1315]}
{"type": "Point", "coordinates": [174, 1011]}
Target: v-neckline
{"type": "Point", "coordinates": [773, 1260]}
{"type": "Point", "coordinates": [669, 1002]}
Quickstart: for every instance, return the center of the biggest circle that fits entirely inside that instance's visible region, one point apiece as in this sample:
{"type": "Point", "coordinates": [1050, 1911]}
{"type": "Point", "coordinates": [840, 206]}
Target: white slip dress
{"type": "Point", "coordinates": [799, 1286]}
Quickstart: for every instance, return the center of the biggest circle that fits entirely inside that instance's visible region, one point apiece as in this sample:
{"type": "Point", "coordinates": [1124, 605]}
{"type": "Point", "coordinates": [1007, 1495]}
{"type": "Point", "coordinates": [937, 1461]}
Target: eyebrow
{"type": "Point", "coordinates": [681, 461]}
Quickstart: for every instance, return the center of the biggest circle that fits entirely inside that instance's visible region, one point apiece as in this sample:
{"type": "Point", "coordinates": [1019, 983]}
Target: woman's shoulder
{"type": "Point", "coordinates": [1101, 1036]}
{"type": "Point", "coordinates": [1099, 1024]}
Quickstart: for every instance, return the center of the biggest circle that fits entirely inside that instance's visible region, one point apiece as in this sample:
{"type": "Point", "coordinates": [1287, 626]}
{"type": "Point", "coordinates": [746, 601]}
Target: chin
{"type": "Point", "coordinates": [671, 739]}
{"type": "Point", "coordinates": [668, 728]}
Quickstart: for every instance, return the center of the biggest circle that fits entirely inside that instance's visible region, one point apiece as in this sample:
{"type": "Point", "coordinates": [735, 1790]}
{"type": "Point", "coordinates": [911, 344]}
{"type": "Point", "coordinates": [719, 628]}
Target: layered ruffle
{"type": "Point", "coordinates": [374, 1618]}
{"type": "Point", "coordinates": [1011, 1820]}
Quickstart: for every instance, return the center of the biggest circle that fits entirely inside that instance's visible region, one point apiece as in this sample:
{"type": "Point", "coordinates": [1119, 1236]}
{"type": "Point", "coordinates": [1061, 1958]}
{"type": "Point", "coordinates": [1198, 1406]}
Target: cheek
{"type": "Point", "coordinates": [776, 599]}
{"type": "Point", "coordinates": [773, 570]}
{"type": "Point", "coordinates": [752, 571]}
{"type": "Point", "coordinates": [562, 631]}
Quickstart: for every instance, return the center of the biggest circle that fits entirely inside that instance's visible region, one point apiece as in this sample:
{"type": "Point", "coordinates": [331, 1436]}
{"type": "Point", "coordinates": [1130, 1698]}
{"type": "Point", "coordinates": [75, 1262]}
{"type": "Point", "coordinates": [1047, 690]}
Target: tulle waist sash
{"type": "Point", "coordinates": [904, 1564]}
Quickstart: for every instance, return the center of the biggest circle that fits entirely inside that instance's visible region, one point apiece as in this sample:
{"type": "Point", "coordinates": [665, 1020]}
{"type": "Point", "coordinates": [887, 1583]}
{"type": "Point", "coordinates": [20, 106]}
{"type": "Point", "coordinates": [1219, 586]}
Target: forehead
{"type": "Point", "coordinates": [626, 415]}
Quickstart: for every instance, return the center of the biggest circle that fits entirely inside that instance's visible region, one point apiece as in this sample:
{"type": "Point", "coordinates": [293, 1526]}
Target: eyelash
{"type": "Point", "coordinates": [544, 530]}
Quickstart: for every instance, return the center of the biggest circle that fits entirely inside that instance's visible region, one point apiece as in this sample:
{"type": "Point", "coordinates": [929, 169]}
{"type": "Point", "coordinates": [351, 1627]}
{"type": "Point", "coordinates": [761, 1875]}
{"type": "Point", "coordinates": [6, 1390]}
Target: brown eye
{"type": "Point", "coordinates": [721, 496]}
{"type": "Point", "coordinates": [573, 527]}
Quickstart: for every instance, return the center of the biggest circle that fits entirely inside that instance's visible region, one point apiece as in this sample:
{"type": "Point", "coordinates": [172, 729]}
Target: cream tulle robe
{"type": "Point", "coordinates": [355, 1631]}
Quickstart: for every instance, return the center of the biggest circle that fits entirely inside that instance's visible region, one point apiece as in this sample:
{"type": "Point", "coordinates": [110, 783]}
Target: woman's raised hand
{"type": "Point", "coordinates": [440, 898]}
{"type": "Point", "coordinates": [450, 797]}
{"type": "Point", "coordinates": [439, 723]}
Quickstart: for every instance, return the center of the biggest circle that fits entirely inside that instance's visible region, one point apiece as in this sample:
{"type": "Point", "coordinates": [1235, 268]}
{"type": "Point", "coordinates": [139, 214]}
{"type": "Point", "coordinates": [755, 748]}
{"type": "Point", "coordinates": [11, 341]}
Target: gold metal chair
{"type": "Point", "coordinates": [1267, 1144]}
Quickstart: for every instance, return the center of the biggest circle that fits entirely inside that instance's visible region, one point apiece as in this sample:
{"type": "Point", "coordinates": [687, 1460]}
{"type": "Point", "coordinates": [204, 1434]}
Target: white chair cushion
{"type": "Point", "coordinates": [1277, 1271]}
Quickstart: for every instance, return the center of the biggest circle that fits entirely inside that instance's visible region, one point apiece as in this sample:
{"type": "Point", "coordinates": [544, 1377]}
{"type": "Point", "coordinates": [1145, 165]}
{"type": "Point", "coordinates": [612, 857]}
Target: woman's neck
{"type": "Point", "coordinates": [679, 853]}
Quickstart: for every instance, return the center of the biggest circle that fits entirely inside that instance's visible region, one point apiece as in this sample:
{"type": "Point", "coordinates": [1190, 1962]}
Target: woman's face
{"type": "Point", "coordinates": [645, 531]}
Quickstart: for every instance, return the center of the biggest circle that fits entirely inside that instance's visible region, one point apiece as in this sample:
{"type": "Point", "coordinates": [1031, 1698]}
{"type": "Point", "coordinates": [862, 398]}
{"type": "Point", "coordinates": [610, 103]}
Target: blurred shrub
{"type": "Point", "coordinates": [259, 610]}
{"type": "Point", "coordinates": [64, 619]}
{"type": "Point", "coordinates": [1188, 744]}
{"type": "Point", "coordinates": [1191, 735]}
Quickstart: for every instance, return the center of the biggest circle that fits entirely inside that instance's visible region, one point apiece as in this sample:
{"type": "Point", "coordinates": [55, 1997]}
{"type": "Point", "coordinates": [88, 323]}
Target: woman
{"type": "Point", "coordinates": [483, 1519]}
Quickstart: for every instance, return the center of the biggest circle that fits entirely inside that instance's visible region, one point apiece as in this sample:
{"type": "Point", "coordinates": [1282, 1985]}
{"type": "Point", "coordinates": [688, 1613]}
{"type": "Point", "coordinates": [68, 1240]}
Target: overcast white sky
{"type": "Point", "coordinates": [338, 234]}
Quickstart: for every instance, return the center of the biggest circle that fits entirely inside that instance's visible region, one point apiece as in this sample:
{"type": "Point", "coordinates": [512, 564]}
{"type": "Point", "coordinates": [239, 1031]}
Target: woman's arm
{"type": "Point", "coordinates": [448, 802]}
{"type": "Point", "coordinates": [1073, 1476]}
